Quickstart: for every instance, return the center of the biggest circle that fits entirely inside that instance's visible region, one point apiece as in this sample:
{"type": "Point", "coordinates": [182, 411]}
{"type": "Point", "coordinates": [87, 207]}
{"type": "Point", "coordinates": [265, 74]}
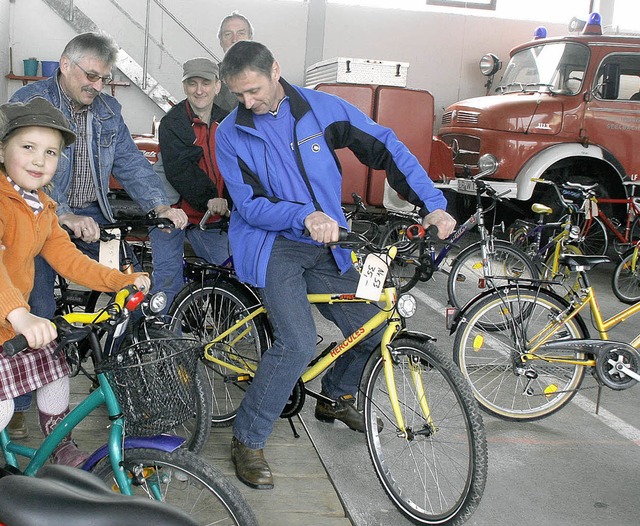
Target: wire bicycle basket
{"type": "Point", "coordinates": [154, 381]}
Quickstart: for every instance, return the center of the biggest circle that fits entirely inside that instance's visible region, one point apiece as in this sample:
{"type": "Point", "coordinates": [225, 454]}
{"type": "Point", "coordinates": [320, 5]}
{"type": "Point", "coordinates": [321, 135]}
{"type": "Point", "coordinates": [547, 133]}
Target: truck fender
{"type": "Point", "coordinates": [168, 443]}
{"type": "Point", "coordinates": [537, 165]}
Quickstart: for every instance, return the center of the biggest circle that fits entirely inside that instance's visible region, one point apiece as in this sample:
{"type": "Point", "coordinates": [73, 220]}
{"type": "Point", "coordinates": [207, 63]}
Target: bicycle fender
{"type": "Point", "coordinates": [460, 316]}
{"type": "Point", "coordinates": [168, 443]}
{"type": "Point", "coordinates": [422, 336]}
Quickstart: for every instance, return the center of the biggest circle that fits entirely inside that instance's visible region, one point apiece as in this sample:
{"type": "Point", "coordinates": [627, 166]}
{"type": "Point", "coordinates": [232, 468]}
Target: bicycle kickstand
{"type": "Point", "coordinates": [293, 428]}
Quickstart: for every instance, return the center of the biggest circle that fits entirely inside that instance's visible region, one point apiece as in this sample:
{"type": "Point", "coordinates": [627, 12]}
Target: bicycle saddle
{"type": "Point", "coordinates": [65, 496]}
{"type": "Point", "coordinates": [575, 262]}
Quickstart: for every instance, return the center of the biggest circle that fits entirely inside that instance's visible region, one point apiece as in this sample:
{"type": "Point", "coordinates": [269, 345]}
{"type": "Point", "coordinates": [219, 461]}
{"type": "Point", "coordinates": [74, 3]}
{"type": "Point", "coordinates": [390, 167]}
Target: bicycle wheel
{"type": "Point", "coordinates": [467, 277]}
{"type": "Point", "coordinates": [634, 233]}
{"type": "Point", "coordinates": [184, 481]}
{"type": "Point", "coordinates": [195, 430]}
{"type": "Point", "coordinates": [491, 360]}
{"type": "Point", "coordinates": [206, 311]}
{"type": "Point", "coordinates": [594, 241]}
{"type": "Point", "coordinates": [436, 473]}
{"type": "Point", "coordinates": [626, 279]}
{"type": "Point", "coordinates": [405, 268]}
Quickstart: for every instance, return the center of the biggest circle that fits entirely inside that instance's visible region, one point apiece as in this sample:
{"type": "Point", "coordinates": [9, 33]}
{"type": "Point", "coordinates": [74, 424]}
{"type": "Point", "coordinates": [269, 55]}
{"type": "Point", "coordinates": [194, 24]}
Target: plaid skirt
{"type": "Point", "coordinates": [29, 370]}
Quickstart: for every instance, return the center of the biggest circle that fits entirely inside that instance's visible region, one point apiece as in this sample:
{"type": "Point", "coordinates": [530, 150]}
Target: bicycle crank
{"type": "Point", "coordinates": [617, 363]}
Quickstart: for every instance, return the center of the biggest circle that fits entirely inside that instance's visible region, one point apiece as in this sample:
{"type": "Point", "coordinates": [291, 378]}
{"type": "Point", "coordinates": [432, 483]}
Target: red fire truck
{"type": "Point", "coordinates": [566, 108]}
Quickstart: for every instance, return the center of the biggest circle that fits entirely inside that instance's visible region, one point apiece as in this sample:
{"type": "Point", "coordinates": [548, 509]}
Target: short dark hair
{"type": "Point", "coordinates": [98, 44]}
{"type": "Point", "coordinates": [246, 54]}
{"type": "Point", "coordinates": [237, 15]}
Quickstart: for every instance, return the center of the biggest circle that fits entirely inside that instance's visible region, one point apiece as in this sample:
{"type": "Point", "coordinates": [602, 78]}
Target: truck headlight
{"type": "Point", "coordinates": [488, 164]}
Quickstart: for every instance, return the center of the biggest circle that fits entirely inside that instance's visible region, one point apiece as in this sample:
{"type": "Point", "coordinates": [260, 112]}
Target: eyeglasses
{"type": "Point", "coordinates": [94, 77]}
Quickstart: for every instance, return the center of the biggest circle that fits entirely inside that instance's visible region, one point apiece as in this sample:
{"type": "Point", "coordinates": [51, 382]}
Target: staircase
{"type": "Point", "coordinates": [128, 66]}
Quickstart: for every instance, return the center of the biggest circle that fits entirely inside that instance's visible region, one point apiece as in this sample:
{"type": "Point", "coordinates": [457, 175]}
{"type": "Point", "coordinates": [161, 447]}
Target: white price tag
{"type": "Point", "coordinates": [374, 272]}
{"type": "Point", "coordinates": [110, 251]}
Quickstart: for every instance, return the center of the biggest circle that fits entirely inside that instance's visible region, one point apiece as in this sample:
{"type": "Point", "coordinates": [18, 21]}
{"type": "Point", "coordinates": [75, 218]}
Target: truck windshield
{"type": "Point", "coordinates": [557, 68]}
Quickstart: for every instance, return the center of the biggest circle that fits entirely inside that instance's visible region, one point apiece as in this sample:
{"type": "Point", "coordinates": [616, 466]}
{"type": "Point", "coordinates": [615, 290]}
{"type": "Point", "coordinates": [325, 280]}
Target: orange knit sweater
{"type": "Point", "coordinates": [24, 235]}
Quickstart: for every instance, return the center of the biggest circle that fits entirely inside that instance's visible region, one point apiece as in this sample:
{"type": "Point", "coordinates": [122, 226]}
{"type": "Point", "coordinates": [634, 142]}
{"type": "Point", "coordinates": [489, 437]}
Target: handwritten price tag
{"type": "Point", "coordinates": [372, 278]}
{"type": "Point", "coordinates": [110, 251]}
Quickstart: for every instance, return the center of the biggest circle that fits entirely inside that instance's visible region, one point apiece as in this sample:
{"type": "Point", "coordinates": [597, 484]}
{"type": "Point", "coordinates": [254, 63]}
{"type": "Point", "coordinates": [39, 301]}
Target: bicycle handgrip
{"type": "Point", "coordinates": [417, 231]}
{"type": "Point", "coordinates": [15, 345]}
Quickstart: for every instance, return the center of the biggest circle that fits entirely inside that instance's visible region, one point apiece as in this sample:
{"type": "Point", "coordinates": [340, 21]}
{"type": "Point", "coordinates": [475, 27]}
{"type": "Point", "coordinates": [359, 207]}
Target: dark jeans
{"type": "Point", "coordinates": [296, 269]}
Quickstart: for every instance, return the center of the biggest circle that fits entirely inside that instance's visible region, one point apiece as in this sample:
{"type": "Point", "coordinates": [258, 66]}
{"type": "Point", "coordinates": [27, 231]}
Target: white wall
{"type": "Point", "coordinates": [443, 49]}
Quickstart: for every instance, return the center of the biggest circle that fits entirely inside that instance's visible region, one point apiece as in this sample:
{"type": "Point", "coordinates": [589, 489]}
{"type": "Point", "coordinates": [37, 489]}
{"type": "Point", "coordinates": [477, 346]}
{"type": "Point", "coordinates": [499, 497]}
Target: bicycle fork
{"type": "Point", "coordinates": [415, 368]}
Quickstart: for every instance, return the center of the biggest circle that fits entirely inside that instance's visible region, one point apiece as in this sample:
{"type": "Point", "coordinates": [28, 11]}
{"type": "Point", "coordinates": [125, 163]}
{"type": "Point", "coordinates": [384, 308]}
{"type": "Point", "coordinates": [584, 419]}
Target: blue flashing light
{"type": "Point", "coordinates": [540, 32]}
{"type": "Point", "coordinates": [594, 25]}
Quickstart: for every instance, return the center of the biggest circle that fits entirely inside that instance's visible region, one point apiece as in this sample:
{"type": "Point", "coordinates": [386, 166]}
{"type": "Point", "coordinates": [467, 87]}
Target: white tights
{"type": "Point", "coordinates": [52, 399]}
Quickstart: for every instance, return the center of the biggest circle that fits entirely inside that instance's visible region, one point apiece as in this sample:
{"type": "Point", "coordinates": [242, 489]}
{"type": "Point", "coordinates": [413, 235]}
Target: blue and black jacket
{"type": "Point", "coordinates": [323, 124]}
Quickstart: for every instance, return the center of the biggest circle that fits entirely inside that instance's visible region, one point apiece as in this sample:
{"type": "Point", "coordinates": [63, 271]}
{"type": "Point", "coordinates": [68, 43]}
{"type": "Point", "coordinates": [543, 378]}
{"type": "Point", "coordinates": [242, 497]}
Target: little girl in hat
{"type": "Point", "coordinates": [32, 138]}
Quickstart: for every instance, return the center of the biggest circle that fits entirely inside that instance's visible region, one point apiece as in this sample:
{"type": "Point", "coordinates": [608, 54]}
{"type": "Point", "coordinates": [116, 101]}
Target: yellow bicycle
{"type": "Point", "coordinates": [431, 453]}
{"type": "Point", "coordinates": [525, 349]}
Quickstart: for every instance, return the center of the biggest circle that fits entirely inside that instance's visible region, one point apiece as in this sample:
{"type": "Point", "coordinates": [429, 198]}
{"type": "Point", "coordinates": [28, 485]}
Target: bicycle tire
{"type": "Point", "coordinates": [405, 268]}
{"type": "Point", "coordinates": [625, 281]}
{"type": "Point", "coordinates": [634, 231]}
{"type": "Point", "coordinates": [595, 241]}
{"type": "Point", "coordinates": [205, 311]}
{"type": "Point", "coordinates": [185, 481]}
{"type": "Point", "coordinates": [436, 474]}
{"type": "Point", "coordinates": [490, 359]}
{"type": "Point", "coordinates": [467, 278]}
{"type": "Point", "coordinates": [195, 430]}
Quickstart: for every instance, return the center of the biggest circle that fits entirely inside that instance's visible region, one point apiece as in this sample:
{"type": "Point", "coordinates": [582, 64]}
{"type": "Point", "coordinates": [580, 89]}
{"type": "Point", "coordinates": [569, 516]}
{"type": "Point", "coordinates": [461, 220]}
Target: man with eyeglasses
{"type": "Point", "coordinates": [104, 146]}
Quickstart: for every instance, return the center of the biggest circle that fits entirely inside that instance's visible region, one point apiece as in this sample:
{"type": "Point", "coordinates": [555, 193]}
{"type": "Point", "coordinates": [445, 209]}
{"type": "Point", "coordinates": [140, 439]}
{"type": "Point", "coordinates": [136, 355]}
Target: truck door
{"type": "Point", "coordinates": [612, 115]}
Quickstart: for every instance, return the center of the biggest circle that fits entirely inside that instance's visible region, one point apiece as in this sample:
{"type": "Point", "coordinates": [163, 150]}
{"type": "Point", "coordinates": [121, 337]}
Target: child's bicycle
{"type": "Point", "coordinates": [64, 496]}
{"type": "Point", "coordinates": [147, 326]}
{"type": "Point", "coordinates": [430, 455]}
{"type": "Point", "coordinates": [147, 389]}
{"type": "Point", "coordinates": [525, 349]}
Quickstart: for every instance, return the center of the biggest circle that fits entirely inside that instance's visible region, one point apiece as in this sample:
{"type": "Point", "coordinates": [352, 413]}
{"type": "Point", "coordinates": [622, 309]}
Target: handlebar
{"type": "Point", "coordinates": [127, 299]}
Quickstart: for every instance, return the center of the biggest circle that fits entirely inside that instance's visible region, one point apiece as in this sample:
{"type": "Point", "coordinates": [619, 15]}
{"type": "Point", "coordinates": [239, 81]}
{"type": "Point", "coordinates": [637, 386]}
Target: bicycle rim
{"type": "Point", "coordinates": [595, 241]}
{"type": "Point", "coordinates": [626, 280]}
{"type": "Point", "coordinates": [467, 277]}
{"type": "Point", "coordinates": [186, 482]}
{"type": "Point", "coordinates": [491, 361]}
{"type": "Point", "coordinates": [206, 312]}
{"type": "Point", "coordinates": [437, 473]}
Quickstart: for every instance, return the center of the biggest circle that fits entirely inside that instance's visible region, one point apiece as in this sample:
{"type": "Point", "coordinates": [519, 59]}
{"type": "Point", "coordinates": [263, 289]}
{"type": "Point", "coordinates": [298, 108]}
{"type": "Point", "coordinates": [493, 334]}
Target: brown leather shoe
{"type": "Point", "coordinates": [17, 426]}
{"type": "Point", "coordinates": [251, 466]}
{"type": "Point", "coordinates": [345, 411]}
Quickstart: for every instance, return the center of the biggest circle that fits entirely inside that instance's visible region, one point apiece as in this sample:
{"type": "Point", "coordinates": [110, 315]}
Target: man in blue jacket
{"type": "Point", "coordinates": [104, 146]}
{"type": "Point", "coordinates": [276, 155]}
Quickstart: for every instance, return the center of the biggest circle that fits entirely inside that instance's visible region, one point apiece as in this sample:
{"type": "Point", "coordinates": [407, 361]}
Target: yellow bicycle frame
{"type": "Point", "coordinates": [388, 314]}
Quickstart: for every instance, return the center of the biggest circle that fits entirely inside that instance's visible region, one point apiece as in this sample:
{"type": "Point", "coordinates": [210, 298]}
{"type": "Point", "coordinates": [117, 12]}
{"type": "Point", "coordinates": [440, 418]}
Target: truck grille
{"type": "Point", "coordinates": [461, 117]}
{"type": "Point", "coordinates": [465, 148]}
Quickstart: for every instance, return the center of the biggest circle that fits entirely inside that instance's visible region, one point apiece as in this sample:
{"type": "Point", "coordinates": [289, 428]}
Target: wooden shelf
{"type": "Point", "coordinates": [26, 79]}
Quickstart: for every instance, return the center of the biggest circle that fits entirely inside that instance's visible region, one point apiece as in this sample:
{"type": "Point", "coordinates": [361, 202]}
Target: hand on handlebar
{"type": "Point", "coordinates": [322, 228]}
{"type": "Point", "coordinates": [83, 227]}
{"type": "Point", "coordinates": [143, 283]}
{"type": "Point", "coordinates": [442, 220]}
{"type": "Point", "coordinates": [38, 331]}
{"type": "Point", "coordinates": [218, 206]}
{"type": "Point", "coordinates": [175, 215]}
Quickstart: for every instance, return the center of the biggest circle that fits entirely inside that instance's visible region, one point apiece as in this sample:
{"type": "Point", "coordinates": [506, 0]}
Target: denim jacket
{"type": "Point", "coordinates": [111, 148]}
